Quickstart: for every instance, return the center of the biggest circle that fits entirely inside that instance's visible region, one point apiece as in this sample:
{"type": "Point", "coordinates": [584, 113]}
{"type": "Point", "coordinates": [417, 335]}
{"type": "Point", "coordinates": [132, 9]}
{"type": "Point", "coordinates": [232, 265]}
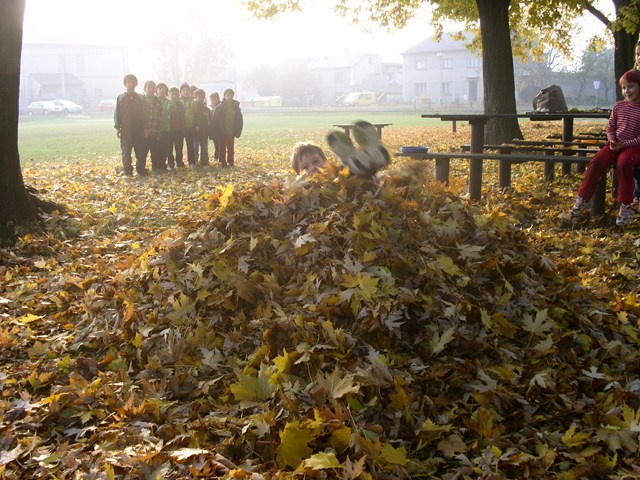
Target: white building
{"type": "Point", "coordinates": [84, 74]}
{"type": "Point", "coordinates": [338, 75]}
{"type": "Point", "coordinates": [442, 74]}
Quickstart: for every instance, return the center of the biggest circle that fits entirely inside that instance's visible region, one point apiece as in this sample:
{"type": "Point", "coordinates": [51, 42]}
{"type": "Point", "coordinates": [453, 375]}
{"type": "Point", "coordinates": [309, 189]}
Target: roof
{"type": "Point", "coordinates": [446, 44]}
{"type": "Point", "coordinates": [52, 79]}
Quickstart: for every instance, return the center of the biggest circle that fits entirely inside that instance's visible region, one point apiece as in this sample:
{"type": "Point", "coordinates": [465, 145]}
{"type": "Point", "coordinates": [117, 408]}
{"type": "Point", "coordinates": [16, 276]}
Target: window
{"type": "Point", "coordinates": [421, 89]}
{"type": "Point", "coordinates": [473, 62]}
{"type": "Point", "coordinates": [446, 62]}
{"type": "Point", "coordinates": [421, 64]}
{"type": "Point", "coordinates": [445, 88]}
{"type": "Point", "coordinates": [338, 77]}
{"type": "Point", "coordinates": [80, 63]}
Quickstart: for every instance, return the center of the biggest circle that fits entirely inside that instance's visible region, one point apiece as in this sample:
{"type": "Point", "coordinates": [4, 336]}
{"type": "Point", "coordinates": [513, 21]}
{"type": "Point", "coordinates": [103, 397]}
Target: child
{"type": "Point", "coordinates": [152, 130]}
{"type": "Point", "coordinates": [227, 126]}
{"type": "Point", "coordinates": [307, 157]}
{"type": "Point", "coordinates": [189, 122]}
{"type": "Point", "coordinates": [165, 125]}
{"type": "Point", "coordinates": [129, 121]}
{"type": "Point", "coordinates": [176, 121]}
{"type": "Point", "coordinates": [623, 149]}
{"type": "Point", "coordinates": [214, 101]}
{"type": "Point", "coordinates": [202, 124]}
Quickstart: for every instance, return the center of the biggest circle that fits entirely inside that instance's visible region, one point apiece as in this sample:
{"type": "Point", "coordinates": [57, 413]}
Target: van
{"type": "Point", "coordinates": [360, 99]}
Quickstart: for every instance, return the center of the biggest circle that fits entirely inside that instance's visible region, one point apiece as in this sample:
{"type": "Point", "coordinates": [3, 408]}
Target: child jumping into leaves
{"type": "Point", "coordinates": [307, 157]}
{"type": "Point", "coordinates": [622, 148]}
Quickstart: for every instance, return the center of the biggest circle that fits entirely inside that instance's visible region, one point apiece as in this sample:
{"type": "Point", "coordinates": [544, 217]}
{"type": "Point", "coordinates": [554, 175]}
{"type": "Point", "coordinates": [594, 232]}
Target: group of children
{"type": "Point", "coordinates": [163, 120]}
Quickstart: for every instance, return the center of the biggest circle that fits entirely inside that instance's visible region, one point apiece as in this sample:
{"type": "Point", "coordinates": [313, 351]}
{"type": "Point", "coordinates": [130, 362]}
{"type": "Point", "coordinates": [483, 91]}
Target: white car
{"type": "Point", "coordinates": [43, 108]}
{"type": "Point", "coordinates": [68, 106]}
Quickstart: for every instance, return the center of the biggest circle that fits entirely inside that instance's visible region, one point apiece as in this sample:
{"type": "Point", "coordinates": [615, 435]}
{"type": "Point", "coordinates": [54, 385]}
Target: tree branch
{"type": "Point", "coordinates": [598, 14]}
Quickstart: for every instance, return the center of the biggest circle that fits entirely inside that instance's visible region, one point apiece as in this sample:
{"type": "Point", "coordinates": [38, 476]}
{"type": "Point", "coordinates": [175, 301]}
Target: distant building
{"type": "Point", "coordinates": [84, 74]}
{"type": "Point", "coordinates": [442, 74]}
{"type": "Point", "coordinates": [338, 75]}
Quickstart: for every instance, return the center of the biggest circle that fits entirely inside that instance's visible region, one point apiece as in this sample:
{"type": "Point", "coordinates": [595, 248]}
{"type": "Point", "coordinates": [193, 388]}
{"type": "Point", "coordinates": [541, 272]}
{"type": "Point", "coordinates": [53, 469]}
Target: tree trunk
{"type": "Point", "coordinates": [17, 204]}
{"type": "Point", "coordinates": [624, 43]}
{"type": "Point", "coordinates": [497, 70]}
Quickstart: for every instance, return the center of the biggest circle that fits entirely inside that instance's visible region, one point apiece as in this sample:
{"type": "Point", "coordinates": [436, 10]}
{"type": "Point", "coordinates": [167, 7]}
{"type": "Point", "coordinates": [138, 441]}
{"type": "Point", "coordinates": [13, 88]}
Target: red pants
{"type": "Point", "coordinates": [227, 149]}
{"type": "Point", "coordinates": [625, 160]}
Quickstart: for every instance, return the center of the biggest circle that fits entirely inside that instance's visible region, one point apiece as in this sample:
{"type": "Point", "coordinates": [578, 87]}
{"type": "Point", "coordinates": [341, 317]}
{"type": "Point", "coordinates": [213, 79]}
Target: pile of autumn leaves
{"type": "Point", "coordinates": [344, 328]}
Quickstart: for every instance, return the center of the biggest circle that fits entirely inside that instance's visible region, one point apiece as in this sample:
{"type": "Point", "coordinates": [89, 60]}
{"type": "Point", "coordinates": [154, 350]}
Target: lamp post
{"type": "Point", "coordinates": [596, 87]}
{"type": "Point", "coordinates": [440, 57]}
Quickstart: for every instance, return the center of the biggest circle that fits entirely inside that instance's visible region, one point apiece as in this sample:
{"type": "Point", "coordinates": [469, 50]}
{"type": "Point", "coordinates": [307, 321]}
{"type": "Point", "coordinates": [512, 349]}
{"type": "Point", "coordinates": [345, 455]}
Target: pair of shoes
{"type": "Point", "coordinates": [365, 159]}
{"type": "Point", "coordinates": [625, 214]}
{"type": "Point", "coordinates": [579, 206]}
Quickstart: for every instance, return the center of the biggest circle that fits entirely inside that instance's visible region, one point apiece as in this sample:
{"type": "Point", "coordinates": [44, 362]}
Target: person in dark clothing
{"type": "Point", "coordinates": [202, 117]}
{"type": "Point", "coordinates": [176, 120]}
{"type": "Point", "coordinates": [214, 101]}
{"type": "Point", "coordinates": [227, 126]}
{"type": "Point", "coordinates": [129, 122]}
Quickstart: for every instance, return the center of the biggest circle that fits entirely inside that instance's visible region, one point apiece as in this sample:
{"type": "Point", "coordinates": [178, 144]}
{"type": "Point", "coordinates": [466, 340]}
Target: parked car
{"type": "Point", "coordinates": [107, 105]}
{"type": "Point", "coordinates": [43, 108]}
{"type": "Point", "coordinates": [360, 99]}
{"type": "Point", "coordinates": [68, 106]}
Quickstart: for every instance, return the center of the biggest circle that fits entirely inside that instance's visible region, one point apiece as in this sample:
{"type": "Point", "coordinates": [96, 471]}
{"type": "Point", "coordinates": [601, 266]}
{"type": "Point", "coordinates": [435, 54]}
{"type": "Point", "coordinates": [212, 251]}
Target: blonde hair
{"type": "Point", "coordinates": [304, 148]}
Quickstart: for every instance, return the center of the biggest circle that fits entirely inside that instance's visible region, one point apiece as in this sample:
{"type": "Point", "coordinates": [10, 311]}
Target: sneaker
{"type": "Point", "coordinates": [367, 137]}
{"type": "Point", "coordinates": [364, 161]}
{"type": "Point", "coordinates": [624, 216]}
{"type": "Point", "coordinates": [579, 206]}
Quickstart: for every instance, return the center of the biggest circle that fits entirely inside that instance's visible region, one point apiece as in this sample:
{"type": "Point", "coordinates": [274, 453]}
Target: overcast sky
{"type": "Point", "coordinates": [316, 31]}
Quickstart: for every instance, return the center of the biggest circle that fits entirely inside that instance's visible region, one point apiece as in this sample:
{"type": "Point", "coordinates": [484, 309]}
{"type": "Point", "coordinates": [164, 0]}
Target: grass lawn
{"type": "Point", "coordinates": [92, 137]}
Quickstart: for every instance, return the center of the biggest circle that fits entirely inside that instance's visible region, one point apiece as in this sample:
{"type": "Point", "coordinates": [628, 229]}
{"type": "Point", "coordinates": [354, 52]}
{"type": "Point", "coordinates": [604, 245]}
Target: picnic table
{"type": "Point", "coordinates": [348, 126]}
{"type": "Point", "coordinates": [479, 120]}
{"type": "Point", "coordinates": [476, 154]}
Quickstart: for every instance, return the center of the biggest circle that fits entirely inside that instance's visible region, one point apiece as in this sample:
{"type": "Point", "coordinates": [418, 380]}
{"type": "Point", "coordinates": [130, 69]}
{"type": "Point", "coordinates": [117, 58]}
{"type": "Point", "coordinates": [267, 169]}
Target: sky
{"type": "Point", "coordinates": [316, 31]}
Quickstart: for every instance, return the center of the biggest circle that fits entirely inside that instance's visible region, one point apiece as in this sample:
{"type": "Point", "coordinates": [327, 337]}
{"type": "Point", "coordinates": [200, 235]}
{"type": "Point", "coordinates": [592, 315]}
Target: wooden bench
{"type": "Point", "coordinates": [546, 149]}
{"type": "Point", "coordinates": [442, 160]}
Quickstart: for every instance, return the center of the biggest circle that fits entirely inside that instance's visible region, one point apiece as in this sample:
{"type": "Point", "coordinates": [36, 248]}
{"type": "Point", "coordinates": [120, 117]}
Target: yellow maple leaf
{"type": "Point", "coordinates": [226, 197]}
{"type": "Point", "coordinates": [448, 266]}
{"type": "Point", "coordinates": [283, 364]}
{"type": "Point", "coordinates": [340, 438]}
{"type": "Point", "coordinates": [368, 287]}
{"type": "Point", "coordinates": [391, 455]}
{"type": "Point", "coordinates": [293, 446]}
{"type": "Point", "coordinates": [338, 384]}
{"type": "Point", "coordinates": [321, 461]}
{"type": "Point", "coordinates": [252, 389]}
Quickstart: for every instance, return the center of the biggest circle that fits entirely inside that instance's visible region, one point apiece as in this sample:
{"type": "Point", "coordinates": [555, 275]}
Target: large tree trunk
{"type": "Point", "coordinates": [14, 201]}
{"type": "Point", "coordinates": [497, 70]}
{"type": "Point", "coordinates": [17, 204]}
{"type": "Point", "coordinates": [624, 44]}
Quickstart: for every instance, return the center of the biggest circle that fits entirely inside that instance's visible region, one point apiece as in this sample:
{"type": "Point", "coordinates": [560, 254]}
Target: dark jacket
{"type": "Point", "coordinates": [202, 116]}
{"type": "Point", "coordinates": [227, 119]}
{"type": "Point", "coordinates": [130, 115]}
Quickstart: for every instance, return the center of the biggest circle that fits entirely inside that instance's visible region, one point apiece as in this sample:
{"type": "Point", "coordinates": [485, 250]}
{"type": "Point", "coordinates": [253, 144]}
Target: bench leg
{"type": "Point", "coordinates": [442, 170]}
{"type": "Point", "coordinates": [549, 168]}
{"type": "Point", "coordinates": [505, 173]}
{"type": "Point", "coordinates": [597, 207]}
{"type": "Point", "coordinates": [475, 179]}
{"type": "Point", "coordinates": [581, 167]}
